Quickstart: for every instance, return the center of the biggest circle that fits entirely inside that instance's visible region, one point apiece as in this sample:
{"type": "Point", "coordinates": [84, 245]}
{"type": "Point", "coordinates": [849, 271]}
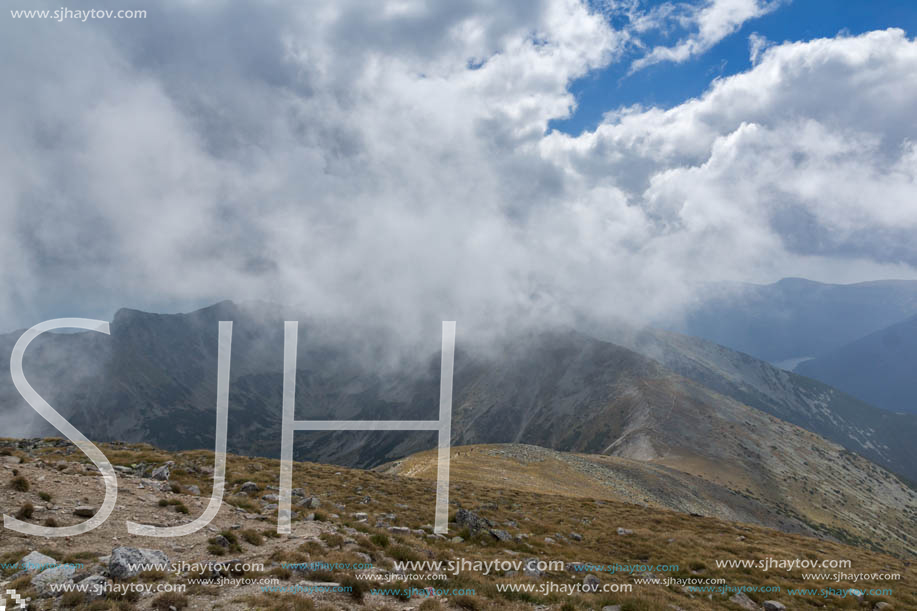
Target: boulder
{"type": "Point", "coordinates": [94, 587]}
{"type": "Point", "coordinates": [591, 583]}
{"type": "Point", "coordinates": [741, 599]}
{"type": "Point", "coordinates": [249, 487]}
{"type": "Point", "coordinates": [124, 561]}
{"type": "Point", "coordinates": [530, 568]}
{"type": "Point", "coordinates": [310, 502]}
{"type": "Point", "coordinates": [773, 605]}
{"type": "Point", "coordinates": [501, 535]}
{"type": "Point", "coordinates": [35, 562]}
{"type": "Point", "coordinates": [472, 521]}
{"type": "Point", "coordinates": [163, 472]}
{"type": "Point", "coordinates": [53, 576]}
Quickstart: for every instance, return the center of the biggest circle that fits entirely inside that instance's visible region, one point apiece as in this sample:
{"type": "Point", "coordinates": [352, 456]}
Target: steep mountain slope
{"type": "Point", "coordinates": [880, 368]}
{"type": "Point", "coordinates": [884, 437]}
{"type": "Point", "coordinates": [796, 318]}
{"type": "Point", "coordinates": [154, 381]}
{"type": "Point", "coordinates": [810, 507]}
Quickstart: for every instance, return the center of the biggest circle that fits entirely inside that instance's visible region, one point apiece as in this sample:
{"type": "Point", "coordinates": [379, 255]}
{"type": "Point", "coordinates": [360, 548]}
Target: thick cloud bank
{"type": "Point", "coordinates": [392, 160]}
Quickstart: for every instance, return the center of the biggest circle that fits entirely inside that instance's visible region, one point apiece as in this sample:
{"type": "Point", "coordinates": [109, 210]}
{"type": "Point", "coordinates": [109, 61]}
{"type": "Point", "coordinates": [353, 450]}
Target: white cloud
{"type": "Point", "coordinates": [391, 161]}
{"type": "Point", "coordinates": [710, 23]}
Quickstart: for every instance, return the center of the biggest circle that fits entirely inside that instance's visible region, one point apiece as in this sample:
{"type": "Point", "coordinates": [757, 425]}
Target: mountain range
{"type": "Point", "coordinates": [880, 368]}
{"type": "Point", "coordinates": [752, 431]}
{"type": "Point", "coordinates": [794, 318]}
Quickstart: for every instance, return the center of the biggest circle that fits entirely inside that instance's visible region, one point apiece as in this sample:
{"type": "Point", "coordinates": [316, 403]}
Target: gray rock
{"type": "Point", "coordinates": [297, 492]}
{"type": "Point", "coordinates": [249, 487]}
{"type": "Point", "coordinates": [882, 605]}
{"type": "Point", "coordinates": [123, 469]}
{"type": "Point", "coordinates": [85, 511]}
{"type": "Point", "coordinates": [53, 576]}
{"type": "Point", "coordinates": [192, 489]}
{"type": "Point", "coordinates": [530, 568]}
{"type": "Point", "coordinates": [549, 540]}
{"type": "Point", "coordinates": [591, 583]}
{"type": "Point", "coordinates": [457, 540]}
{"type": "Point", "coordinates": [310, 502]}
{"type": "Point", "coordinates": [221, 541]}
{"type": "Point", "coordinates": [10, 460]}
{"type": "Point", "coordinates": [624, 531]}
{"type": "Point", "coordinates": [35, 562]}
{"type": "Point", "coordinates": [163, 472]}
{"type": "Point", "coordinates": [858, 594]}
{"type": "Point", "coordinates": [124, 561]}
{"type": "Point", "coordinates": [94, 586]}
{"type": "Point", "coordinates": [611, 608]}
{"type": "Point", "coordinates": [742, 600]}
{"type": "Point", "coordinates": [576, 536]}
{"type": "Point", "coordinates": [399, 530]}
{"type": "Point", "coordinates": [472, 521]}
{"type": "Point", "coordinates": [501, 535]}
{"type": "Point", "coordinates": [773, 605]}
{"type": "Point", "coordinates": [271, 498]}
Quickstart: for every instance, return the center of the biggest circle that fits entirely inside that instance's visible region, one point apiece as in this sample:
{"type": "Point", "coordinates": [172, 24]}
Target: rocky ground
{"type": "Point", "coordinates": [353, 516]}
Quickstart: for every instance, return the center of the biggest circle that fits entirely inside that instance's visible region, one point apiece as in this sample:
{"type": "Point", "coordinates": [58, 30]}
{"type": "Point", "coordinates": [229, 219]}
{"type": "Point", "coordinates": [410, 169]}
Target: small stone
{"type": "Point", "coordinates": [591, 583]}
{"type": "Point", "coordinates": [249, 487]}
{"type": "Point", "coordinates": [576, 536]}
{"type": "Point", "coordinates": [194, 490]}
{"type": "Point", "coordinates": [624, 531]}
{"type": "Point", "coordinates": [85, 511]}
{"type": "Point", "coordinates": [773, 605]}
{"type": "Point", "coordinates": [270, 498]}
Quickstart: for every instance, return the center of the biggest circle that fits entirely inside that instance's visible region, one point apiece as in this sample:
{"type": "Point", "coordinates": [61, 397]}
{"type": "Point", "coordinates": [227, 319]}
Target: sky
{"type": "Point", "coordinates": [489, 162]}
